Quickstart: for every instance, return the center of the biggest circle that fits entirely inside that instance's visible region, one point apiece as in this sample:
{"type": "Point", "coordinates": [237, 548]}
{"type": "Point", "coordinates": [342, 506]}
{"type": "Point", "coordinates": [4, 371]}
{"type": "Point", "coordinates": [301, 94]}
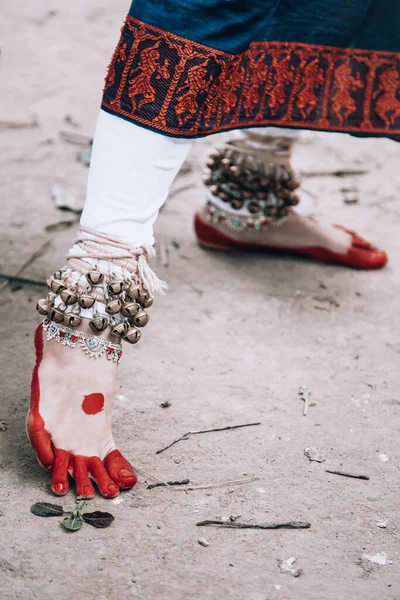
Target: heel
{"type": "Point", "coordinates": [209, 237]}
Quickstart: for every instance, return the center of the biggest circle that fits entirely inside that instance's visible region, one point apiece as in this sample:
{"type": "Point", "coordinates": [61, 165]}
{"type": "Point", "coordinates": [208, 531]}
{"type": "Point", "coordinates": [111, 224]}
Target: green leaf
{"type": "Point", "coordinates": [73, 522]}
{"type": "Point", "coordinates": [46, 509]}
{"type": "Point", "coordinates": [98, 519]}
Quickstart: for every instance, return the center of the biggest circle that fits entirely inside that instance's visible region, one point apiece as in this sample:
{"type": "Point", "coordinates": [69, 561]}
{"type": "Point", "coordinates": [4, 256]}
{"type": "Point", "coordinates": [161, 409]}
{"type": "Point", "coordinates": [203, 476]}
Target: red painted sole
{"type": "Point", "coordinates": [361, 255]}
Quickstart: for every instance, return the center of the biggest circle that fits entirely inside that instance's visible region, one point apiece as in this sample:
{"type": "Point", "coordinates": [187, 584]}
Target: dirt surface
{"type": "Point", "coordinates": [232, 342]}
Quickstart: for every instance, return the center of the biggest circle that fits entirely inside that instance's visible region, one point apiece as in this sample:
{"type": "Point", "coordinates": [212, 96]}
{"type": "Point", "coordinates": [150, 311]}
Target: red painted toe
{"type": "Point", "coordinates": [80, 473]}
{"type": "Point", "coordinates": [59, 480]}
{"type": "Point", "coordinates": [120, 470]}
{"type": "Point", "coordinates": [107, 487]}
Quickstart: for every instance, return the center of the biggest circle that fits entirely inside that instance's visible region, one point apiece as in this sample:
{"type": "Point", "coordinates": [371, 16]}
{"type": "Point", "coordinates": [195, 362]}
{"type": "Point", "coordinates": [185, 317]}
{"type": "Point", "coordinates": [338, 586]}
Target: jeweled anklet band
{"type": "Point", "coordinates": [92, 345]}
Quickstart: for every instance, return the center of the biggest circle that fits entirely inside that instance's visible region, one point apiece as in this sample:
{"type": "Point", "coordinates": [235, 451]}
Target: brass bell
{"type": "Point", "coordinates": [120, 328]}
{"type": "Point", "coordinates": [86, 301]}
{"type": "Point", "coordinates": [116, 287]}
{"type": "Point", "coordinates": [214, 189]}
{"type": "Point", "coordinates": [211, 164]}
{"type": "Point", "coordinates": [143, 295]}
{"type": "Point", "coordinates": [237, 204]}
{"type": "Point", "coordinates": [133, 291]}
{"type": "Point", "coordinates": [283, 212]}
{"type": "Point", "coordinates": [43, 306]}
{"type": "Point", "coordinates": [294, 199]}
{"type": "Point", "coordinates": [147, 303]}
{"type": "Point", "coordinates": [68, 296]}
{"type": "Point", "coordinates": [207, 179]}
{"type": "Point", "coordinates": [56, 315]}
{"type": "Point", "coordinates": [129, 309]}
{"type": "Point", "coordinates": [253, 207]}
{"type": "Point", "coordinates": [58, 274]}
{"type": "Point", "coordinates": [72, 320]}
{"type": "Point", "coordinates": [132, 335]}
{"type": "Point", "coordinates": [98, 323]}
{"type": "Point", "coordinates": [56, 285]}
{"type": "Point", "coordinates": [141, 318]}
{"type": "Point", "coordinates": [94, 277]}
{"type": "Point", "coordinates": [270, 211]}
{"type": "Point", "coordinates": [113, 306]}
{"type": "Point", "coordinates": [292, 184]}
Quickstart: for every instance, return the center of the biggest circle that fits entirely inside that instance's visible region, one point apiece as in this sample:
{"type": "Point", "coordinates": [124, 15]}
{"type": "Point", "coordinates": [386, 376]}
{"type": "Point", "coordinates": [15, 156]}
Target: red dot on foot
{"type": "Point", "coordinates": [93, 403]}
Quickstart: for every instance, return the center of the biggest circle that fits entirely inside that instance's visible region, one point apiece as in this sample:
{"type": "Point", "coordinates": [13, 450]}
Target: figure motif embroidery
{"type": "Point", "coordinates": [387, 106]}
{"type": "Point", "coordinates": [252, 96]}
{"type": "Point", "coordinates": [342, 103]}
{"type": "Point", "coordinates": [312, 79]}
{"type": "Point", "coordinates": [281, 73]}
{"type": "Point", "coordinates": [198, 80]}
{"type": "Point", "coordinates": [183, 88]}
{"type": "Point", "coordinates": [140, 78]}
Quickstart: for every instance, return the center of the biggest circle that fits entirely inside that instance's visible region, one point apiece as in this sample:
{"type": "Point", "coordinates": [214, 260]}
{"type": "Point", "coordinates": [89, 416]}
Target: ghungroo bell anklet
{"type": "Point", "coordinates": [245, 192]}
{"type": "Point", "coordinates": [105, 281]}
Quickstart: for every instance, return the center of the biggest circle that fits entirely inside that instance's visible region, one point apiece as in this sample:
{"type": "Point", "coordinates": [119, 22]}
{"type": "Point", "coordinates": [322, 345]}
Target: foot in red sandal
{"type": "Point", "coordinates": [69, 420]}
{"type": "Point", "coordinates": [297, 235]}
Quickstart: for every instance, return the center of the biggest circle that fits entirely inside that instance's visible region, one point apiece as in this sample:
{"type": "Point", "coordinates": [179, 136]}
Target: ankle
{"type": "Point", "coordinates": [104, 289]}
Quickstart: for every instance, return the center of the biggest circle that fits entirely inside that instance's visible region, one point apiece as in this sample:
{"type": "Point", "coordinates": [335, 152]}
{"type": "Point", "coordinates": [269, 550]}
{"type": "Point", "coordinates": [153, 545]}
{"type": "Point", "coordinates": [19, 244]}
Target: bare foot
{"type": "Point", "coordinates": [69, 421]}
{"type": "Point", "coordinates": [299, 235]}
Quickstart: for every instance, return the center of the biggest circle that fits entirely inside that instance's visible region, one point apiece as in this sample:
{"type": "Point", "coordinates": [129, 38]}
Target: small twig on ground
{"type": "Point", "coordinates": [179, 190]}
{"type": "Point", "coordinates": [163, 253]}
{"type": "Point", "coordinates": [185, 436]}
{"type": "Point", "coordinates": [305, 396]}
{"type": "Point", "coordinates": [352, 475]}
{"type": "Point", "coordinates": [382, 201]}
{"type": "Point", "coordinates": [167, 483]}
{"type": "Point", "coordinates": [61, 225]}
{"type": "Point", "coordinates": [28, 261]}
{"type": "Point", "coordinates": [26, 280]}
{"type": "Point", "coordinates": [236, 525]}
{"type": "Point", "coordinates": [210, 486]}
{"type": "Point", "coordinates": [336, 173]}
{"type": "Point", "coordinates": [310, 193]}
{"type": "Point", "coordinates": [19, 124]}
{"type": "Point", "coordinates": [146, 473]}
{"type": "Point", "coordinates": [75, 138]}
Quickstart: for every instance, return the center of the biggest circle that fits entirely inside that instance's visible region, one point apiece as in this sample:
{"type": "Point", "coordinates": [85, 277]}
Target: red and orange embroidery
{"type": "Point", "coordinates": [183, 88]}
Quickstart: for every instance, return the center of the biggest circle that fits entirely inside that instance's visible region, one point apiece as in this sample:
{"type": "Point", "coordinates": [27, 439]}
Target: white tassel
{"type": "Point", "coordinates": [151, 282]}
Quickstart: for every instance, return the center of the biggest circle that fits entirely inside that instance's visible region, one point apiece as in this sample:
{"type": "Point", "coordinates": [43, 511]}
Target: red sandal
{"type": "Point", "coordinates": [361, 254]}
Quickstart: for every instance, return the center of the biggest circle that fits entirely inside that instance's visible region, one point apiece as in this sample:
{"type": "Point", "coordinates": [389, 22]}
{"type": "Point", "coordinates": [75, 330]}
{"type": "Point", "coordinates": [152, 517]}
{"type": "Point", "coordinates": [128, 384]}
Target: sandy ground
{"type": "Point", "coordinates": [231, 343]}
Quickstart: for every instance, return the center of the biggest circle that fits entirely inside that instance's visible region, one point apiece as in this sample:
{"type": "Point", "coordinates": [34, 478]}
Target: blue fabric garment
{"type": "Point", "coordinates": [194, 67]}
{"type": "Point", "coordinates": [231, 25]}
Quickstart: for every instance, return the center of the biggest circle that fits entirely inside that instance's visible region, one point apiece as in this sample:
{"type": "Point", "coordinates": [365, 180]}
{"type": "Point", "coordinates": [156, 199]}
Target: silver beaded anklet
{"type": "Point", "coordinates": [92, 345]}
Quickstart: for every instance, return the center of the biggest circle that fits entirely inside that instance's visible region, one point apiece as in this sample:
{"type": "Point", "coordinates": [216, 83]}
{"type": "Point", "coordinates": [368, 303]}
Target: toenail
{"type": "Point", "coordinates": [113, 488]}
{"type": "Point", "coordinates": [88, 491]}
{"type": "Point", "coordinates": [125, 473]}
{"type": "Point", "coordinates": [59, 487]}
